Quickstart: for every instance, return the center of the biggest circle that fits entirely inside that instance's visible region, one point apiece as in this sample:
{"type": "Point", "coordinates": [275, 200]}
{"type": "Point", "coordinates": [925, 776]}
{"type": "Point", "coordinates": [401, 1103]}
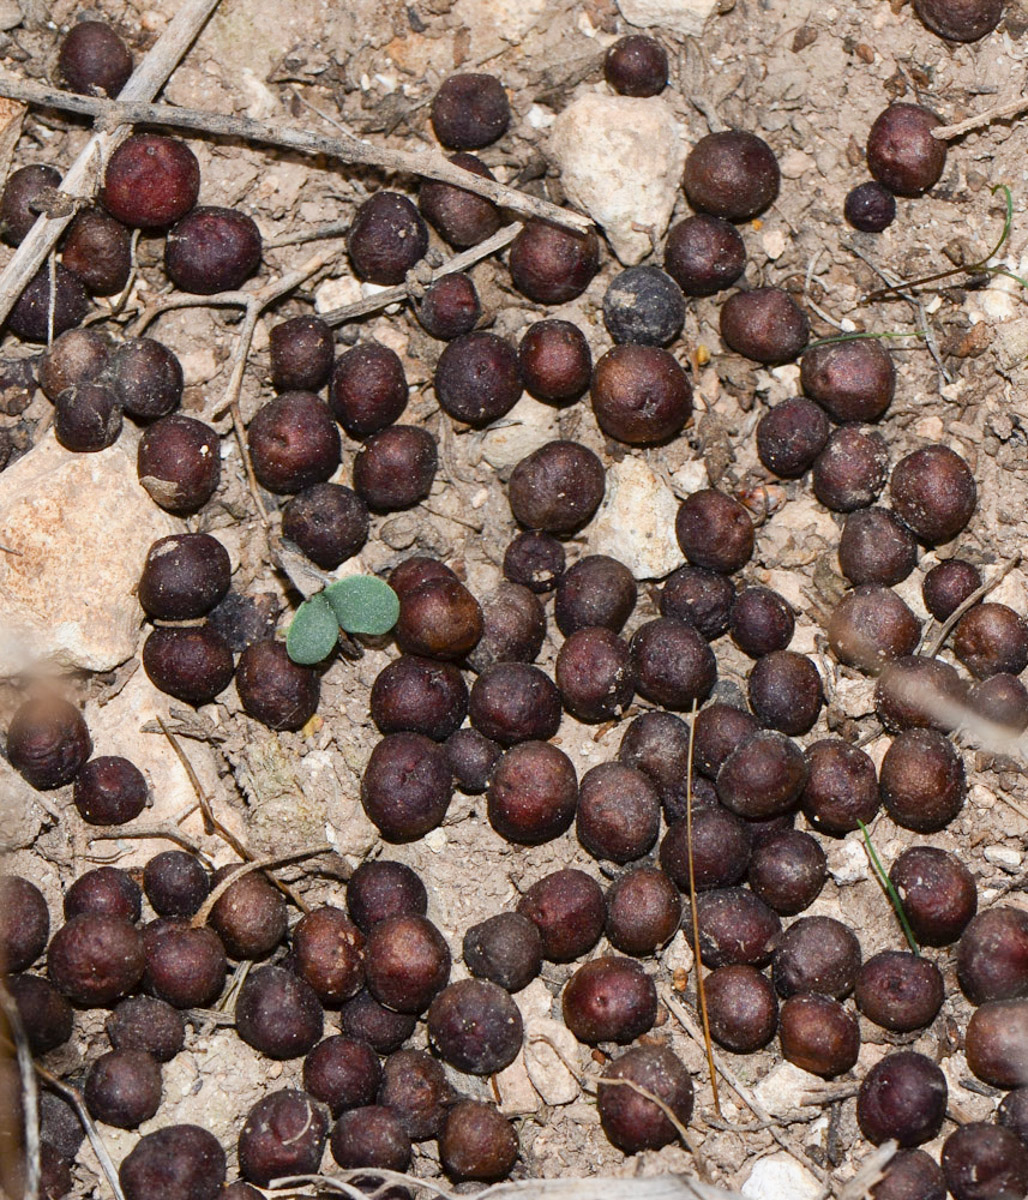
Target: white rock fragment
{"type": "Point", "coordinates": [336, 293]}
{"type": "Point", "coordinates": [677, 955]}
{"type": "Point", "coordinates": [782, 1091]}
{"type": "Point", "coordinates": [1004, 857]}
{"type": "Point", "coordinates": [774, 243]}
{"type": "Point", "coordinates": [781, 1177]}
{"type": "Point", "coordinates": [517, 1095]}
{"type": "Point", "coordinates": [691, 477]}
{"type": "Point", "coordinates": [847, 861]}
{"type": "Point", "coordinates": [548, 1044]}
{"type": "Point", "coordinates": [77, 528]}
{"type": "Point", "coordinates": [21, 815]}
{"type": "Point", "coordinates": [636, 521]}
{"type": "Point", "coordinates": [525, 428]}
{"type": "Point", "coordinates": [621, 160]}
{"type": "Point", "coordinates": [686, 17]}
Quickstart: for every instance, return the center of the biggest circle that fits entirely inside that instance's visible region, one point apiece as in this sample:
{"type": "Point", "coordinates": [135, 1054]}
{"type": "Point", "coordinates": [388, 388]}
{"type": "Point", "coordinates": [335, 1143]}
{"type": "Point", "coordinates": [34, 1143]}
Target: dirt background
{"type": "Point", "coordinates": [808, 78]}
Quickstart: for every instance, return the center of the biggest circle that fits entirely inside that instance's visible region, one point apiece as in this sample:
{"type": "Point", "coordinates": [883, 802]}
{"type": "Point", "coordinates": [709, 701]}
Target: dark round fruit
{"type": "Point", "coordinates": [568, 910]}
{"type": "Point", "coordinates": [460, 217]}
{"type": "Point", "coordinates": [948, 585]}
{"type": "Point", "coordinates": [901, 152]}
{"type": "Point", "coordinates": [407, 786]}
{"type": "Point", "coordinates": [842, 787]}
{"type": "Point", "coordinates": [742, 1008]}
{"type": "Point", "coordinates": [556, 362]}
{"type": "Point", "coordinates": [762, 621]}
{"type": "Point", "coordinates": [618, 812]}
{"type": "Point", "coordinates": [922, 780]}
{"type": "Point", "coordinates": [791, 436]}
{"type": "Point", "coordinates": [472, 756]}
{"type": "Point", "coordinates": [644, 305]}
{"type": "Point", "coordinates": [150, 181]}
{"type": "Point", "coordinates": [816, 954]}
{"type": "Point", "coordinates": [301, 352]}
{"type": "Point", "coordinates": [20, 204]}
{"type": "Point", "coordinates": [475, 1026]}
{"type": "Point", "coordinates": [59, 1124]}
{"type": "Point", "coordinates": [395, 469]}
{"type": "Point", "coordinates": [763, 777]}
{"type": "Point", "coordinates": [98, 249]}
{"type": "Point", "coordinates": [278, 1013]}
{"type": "Point", "coordinates": [185, 575]}
{"type": "Point", "coordinates": [95, 959]}
{"type": "Point", "coordinates": [212, 250]}
{"type": "Point", "coordinates": [596, 591]}
{"type": "Point", "coordinates": [328, 522]}
{"type": "Point", "coordinates": [818, 1035]}
{"type": "Point", "coordinates": [714, 531]}
{"type": "Point", "coordinates": [704, 255]}
{"type": "Point", "coordinates": [78, 356]}
{"type": "Point", "coordinates": [192, 664]}
{"type": "Point", "coordinates": [532, 793]}
{"type": "Point", "coordinates": [46, 1017]}
{"type": "Point", "coordinates": [438, 619]}
{"type": "Point", "coordinates": [852, 381]}
{"type": "Point", "coordinates": [515, 702]}
{"type": "Point", "coordinates": [284, 1134]}
{"type": "Point", "coordinates": [87, 418]}
{"type": "Point", "coordinates": [146, 378]}
{"type": "Point", "coordinates": [938, 892]}
{"type": "Point", "coordinates": [644, 910]}
{"type": "Point", "coordinates": [406, 962]}
{"type": "Point", "coordinates": [732, 175]}
{"type": "Point", "coordinates": [146, 1023]}
{"type": "Point", "coordinates": [719, 729]}
{"type": "Point", "coordinates": [992, 955]}
{"type": "Point", "coordinates": [386, 238]}
{"type": "Point", "coordinates": [551, 265]}
{"type": "Point", "coordinates": [179, 1162]}
{"type": "Point", "coordinates": [342, 1073]}
{"type": "Point", "coordinates": [370, 1136]}
{"type": "Point", "coordinates": [785, 692]}
{"type": "Point", "coordinates": [981, 1162]}
{"type": "Point", "coordinates": [273, 689]}
{"type": "Point", "coordinates": [787, 871]}
{"type": "Point", "coordinates": [933, 492]}
{"type": "Point", "coordinates": [293, 443]}
{"type": "Point", "coordinates": [764, 324]}
{"type": "Point", "coordinates": [870, 207]}
{"type": "Point", "coordinates": [1002, 699]}
{"type": "Point", "coordinates": [902, 1097]}
{"type": "Point", "coordinates": [368, 391]}
{"type": "Point", "coordinates": [1013, 1112]}
{"type": "Point", "coordinates": [419, 695]}
{"type": "Point", "coordinates": [29, 319]}
{"type": "Point", "coordinates": [851, 470]}
{"type": "Point", "coordinates": [720, 850]}
{"type": "Point", "coordinates": [995, 1042]}
{"type": "Point", "coordinates": [702, 598]}
{"type": "Point", "coordinates": [557, 488]}
{"type": "Point", "coordinates": [176, 883]}
{"type": "Point", "coordinates": [640, 395]}
{"type": "Point", "coordinates": [505, 949]}
{"type": "Point", "coordinates": [94, 60]}
{"type": "Point", "coordinates": [901, 992]}
{"type": "Point", "coordinates": [184, 966]}
{"type": "Point", "coordinates": [477, 1142]}
{"type": "Point", "coordinates": [991, 639]}
{"type": "Point", "coordinates": [123, 1088]}
{"type": "Point", "coordinates": [104, 890]}
{"type": "Point", "coordinates": [179, 463]}
{"type": "Point", "coordinates": [876, 547]}
{"type": "Point", "coordinates": [594, 675]}
{"type": "Point", "coordinates": [48, 742]}
{"type": "Point", "coordinates": [657, 743]}
{"type": "Point", "coordinates": [329, 953]}
{"type": "Point", "coordinates": [413, 572]}
{"type": "Point", "coordinates": [470, 111]}
{"type": "Point", "coordinates": [449, 308]}
{"type": "Point", "coordinates": [609, 999]}
{"type": "Point", "coordinates": [415, 1087]}
{"type": "Point", "coordinates": [736, 927]}
{"type": "Point", "coordinates": [636, 66]}
{"type": "Point", "coordinates": [381, 889]}
{"type": "Point", "coordinates": [631, 1121]}
{"type": "Point", "coordinates": [534, 560]}
{"type": "Point", "coordinates": [249, 916]}
{"type": "Point", "coordinates": [918, 692]}
{"type": "Point", "coordinates": [674, 667]}
{"type": "Point", "coordinates": [383, 1029]}
{"type": "Point", "coordinates": [477, 378]}
{"type": "Point", "coordinates": [870, 626]}
{"type": "Point", "coordinates": [960, 20]}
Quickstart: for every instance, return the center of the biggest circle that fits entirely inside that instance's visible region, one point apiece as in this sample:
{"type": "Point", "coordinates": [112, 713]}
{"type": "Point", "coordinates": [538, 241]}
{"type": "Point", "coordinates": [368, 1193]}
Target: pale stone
{"type": "Point", "coordinates": [549, 1044]}
{"type": "Point", "coordinates": [517, 1095]}
{"type": "Point", "coordinates": [678, 954]}
{"type": "Point", "coordinates": [1004, 857]}
{"type": "Point", "coordinates": [495, 22]}
{"type": "Point", "coordinates": [686, 17]}
{"type": "Point", "coordinates": [77, 528]}
{"type": "Point", "coordinates": [523, 430]}
{"type": "Point", "coordinates": [782, 1090]}
{"type": "Point", "coordinates": [621, 160]}
{"type": "Point", "coordinates": [847, 860]}
{"type": "Point", "coordinates": [774, 242]}
{"type": "Point", "coordinates": [781, 1177]}
{"type": "Point", "coordinates": [336, 293]}
{"type": "Point", "coordinates": [534, 1000]}
{"type": "Point", "coordinates": [21, 815]}
{"type": "Point", "coordinates": [636, 521]}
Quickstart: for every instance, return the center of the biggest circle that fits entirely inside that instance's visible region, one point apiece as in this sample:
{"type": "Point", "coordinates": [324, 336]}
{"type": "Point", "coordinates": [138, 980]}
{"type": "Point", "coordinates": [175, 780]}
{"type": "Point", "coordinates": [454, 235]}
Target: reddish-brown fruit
{"type": "Point", "coordinates": [934, 493]}
{"type": "Point", "coordinates": [123, 1088]}
{"type": "Point", "coordinates": [764, 324]}
{"type": "Point", "coordinates": [407, 786]}
{"type": "Point", "coordinates": [640, 395]}
{"type": "Point", "coordinates": [704, 255]}
{"type": "Point", "coordinates": [98, 249]}
{"type": "Point", "coordinates": [212, 250]}
{"type": "Point", "coordinates": [284, 1134]}
{"type": "Point", "coordinates": [515, 626]}
{"type": "Point", "coordinates": [901, 152]}
{"type": "Point", "coordinates": [78, 356]}
{"type": "Point", "coordinates": [609, 999]}
{"type": "Point", "coordinates": [380, 889]}
{"type": "Point", "coordinates": [395, 469]}
{"type": "Point", "coordinates": [568, 910]}
{"type": "Point", "coordinates": [104, 890]}
{"type": "Point", "coordinates": [594, 675]}
{"type": "Point", "coordinates": [184, 966]}
{"type": "Point", "coordinates": [785, 692]}
{"type": "Point", "coordinates": [556, 362]}
{"type": "Point", "coordinates": [301, 351]}
{"type": "Point", "coordinates": [631, 1121]}
{"type": "Point", "coordinates": [273, 689]}
{"type": "Point", "coordinates": [30, 317]}
{"type": "Point", "coordinates": [981, 1162]}
{"type": "Point", "coordinates": [636, 66]}
{"type": "Point", "coordinates": [386, 238]}
{"type": "Point", "coordinates": [919, 692]}
{"type": "Point", "coordinates": [179, 1162]}
{"type": "Point", "coordinates": [718, 730]}
{"type": "Point", "coordinates": [991, 639]}
{"type": "Point", "coordinates": [714, 531]}
{"type": "Point", "coordinates": [48, 742]}
{"type": "Point", "coordinates": [899, 991]}
{"type": "Point", "coordinates": [179, 463]}
{"type": "Point", "coordinates": [278, 1013]}
{"type": "Point", "coordinates": [368, 391]}
{"type": "Point", "coordinates": [192, 664]}
{"type": "Point", "coordinates": [674, 667]}
{"type": "Point", "coordinates": [176, 883]}
{"type": "Point", "coordinates": [552, 265]}
{"type": "Point", "coordinates": [94, 60]}
{"type": "Point", "coordinates": [992, 956]}
{"type": "Point", "coordinates": [902, 1097]}
{"type": "Point", "coordinates": [477, 1142]}
{"type": "Point", "coordinates": [382, 1028]}
{"type": "Point", "coordinates": [763, 777]}
{"type": "Point", "coordinates": [787, 871]}
{"type": "Point", "coordinates": [21, 202]}
{"type": "Point", "coordinates": [150, 181]}
{"type": "Point", "coordinates": [816, 954]}
{"type": "Point", "coordinates": [328, 522]}
{"type": "Point", "coordinates": [939, 893]}
{"type": "Point", "coordinates": [329, 952]}
{"type": "Point", "coordinates": [557, 488]}
{"type": "Point", "coordinates": [960, 20]}
{"type": "Point", "coordinates": [791, 435]}
{"type": "Point", "coordinates": [184, 576]}
{"type": "Point", "coordinates": [293, 443]}
{"type": "Point", "coordinates": [742, 1008]}
{"type": "Point", "coordinates": [922, 780]}
{"type": "Point", "coordinates": [438, 619]}
{"type": "Point", "coordinates": [505, 949]}
{"type": "Point", "coordinates": [819, 1035]}
{"type": "Point", "coordinates": [371, 1136]}
{"type": "Point", "coordinates": [460, 217]}
{"type": "Point", "coordinates": [876, 547]}
{"type": "Point", "coordinates": [733, 174]}
{"type": "Point", "coordinates": [596, 591]}
{"type": "Point", "coordinates": [406, 963]}
{"type": "Point", "coordinates": [475, 1026]}
{"type": "Point", "coordinates": [532, 793]}
{"type": "Point", "coordinates": [477, 378]}
{"type": "Point", "coordinates": [515, 702]}
{"type": "Point", "coordinates": [419, 695]}
{"type": "Point", "coordinates": [700, 597]}
{"type": "Point", "coordinates": [449, 308]}
{"type": "Point", "coordinates": [470, 111]}
{"type": "Point", "coordinates": [95, 959]}
{"type": "Point", "coordinates": [415, 1087]}
{"type": "Point", "coordinates": [46, 1016]}
{"type": "Point", "coordinates": [249, 916]}
{"type": "Point", "coordinates": [852, 381]}
{"type": "Point", "coordinates": [948, 585]}
{"type": "Point", "coordinates": [736, 927]}
{"type": "Point", "coordinates": [851, 470]}
{"type": "Point", "coordinates": [644, 910]}
{"type": "Point", "coordinates": [343, 1073]}
{"type": "Point", "coordinates": [996, 1042]}
{"type": "Point", "coordinates": [146, 1023]}
{"type": "Point", "coordinates": [870, 626]}
{"type": "Point", "coordinates": [720, 846]}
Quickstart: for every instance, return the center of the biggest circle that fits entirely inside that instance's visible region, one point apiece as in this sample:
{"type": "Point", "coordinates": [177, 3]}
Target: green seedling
{"type": "Point", "coordinates": [889, 888]}
{"type": "Point", "coordinates": [358, 604]}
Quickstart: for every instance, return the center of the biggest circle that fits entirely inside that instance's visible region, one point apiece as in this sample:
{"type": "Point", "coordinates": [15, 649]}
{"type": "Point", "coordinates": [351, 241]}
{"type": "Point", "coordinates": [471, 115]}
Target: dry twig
{"type": "Point", "coordinates": [1010, 109]}
{"type": "Point", "coordinates": [940, 638]}
{"type": "Point", "coordinates": [29, 1093]}
{"type": "Point", "coordinates": [256, 864]}
{"type": "Point", "coordinates": [74, 1098]}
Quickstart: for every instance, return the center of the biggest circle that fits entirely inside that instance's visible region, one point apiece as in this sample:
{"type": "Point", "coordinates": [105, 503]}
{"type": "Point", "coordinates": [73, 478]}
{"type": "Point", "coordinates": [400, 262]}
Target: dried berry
{"type": "Point", "coordinates": [594, 675]}
{"type": "Point", "coordinates": [123, 1088]}
{"type": "Point", "coordinates": [643, 912]}
{"type": "Point", "coordinates": [419, 695]}
{"type": "Point", "coordinates": [640, 395]}
{"type": "Point", "coordinates": [934, 493]}
{"type": "Point", "coordinates": [475, 1026]}
{"type": "Point", "coordinates": [714, 531]}
{"type": "Point", "coordinates": [104, 890]}
{"type": "Point", "coordinates": [87, 418]}
{"type": "Point", "coordinates": [78, 356]}
{"type": "Point", "coordinates": [922, 780]}
{"type": "Point", "coordinates": [273, 689]}
{"type": "Point", "coordinates": [960, 20]}
{"type": "Point", "coordinates": [249, 916]}
{"type": "Point", "coordinates": [184, 576]}
{"type": "Point", "coordinates": [818, 1035]}
{"type": "Point", "coordinates": [704, 255]}
{"type": "Point", "coordinates": [719, 730]}
{"type": "Point", "coordinates": [342, 1073]}
{"type": "Point", "coordinates": [1002, 699]}
{"type": "Point", "coordinates": [176, 883]}
{"type": "Point", "coordinates": [568, 910]}
{"type": "Point", "coordinates": [449, 308]}
{"type": "Point", "coordinates": [787, 871]}
{"type": "Point", "coordinates": [870, 626]}
{"type": "Point", "coordinates": [477, 1142]}
{"type": "Point", "coordinates": [94, 60]}
{"type": "Point", "coordinates": [368, 391]}
{"type": "Point", "coordinates": [899, 991]}
{"type": "Point", "coordinates": [609, 999]}
{"type": "Point", "coordinates": [460, 217]}
{"type": "Point", "coordinates": [742, 1008]}
{"type": "Point", "coordinates": [293, 443]}
{"type": "Point", "coordinates": [407, 786]}
{"type": "Point", "coordinates": [395, 468]}
{"type": "Point", "coordinates": [438, 619]}
{"type": "Point", "coordinates": [732, 175]}
{"type": "Point", "coordinates": [48, 742]}
{"type": "Point", "coordinates": [981, 1162]}
{"type": "Point", "coordinates": [673, 665]}
{"type": "Point", "coordinates": [22, 199]}
{"type": "Point", "coordinates": [557, 488]}
{"type": "Point", "coordinates": [919, 692]}
{"type": "Point", "coordinates": [386, 238]}
{"type": "Point", "coordinates": [382, 1028]}
{"type": "Point", "coordinates": [514, 628]}
{"type": "Point", "coordinates": [556, 362]}
{"type": "Point", "coordinates": [596, 591]}
{"type": "Point", "coordinates": [533, 793]}
{"type": "Point", "coordinates": [842, 786]}
{"type": "Point", "coordinates": [150, 181]}
{"type": "Point", "coordinates": [902, 1097]}
{"type": "Point", "coordinates": [301, 352]}
{"type": "Point", "coordinates": [477, 378]}
{"type": "Point", "coordinates": [329, 953]}
{"type": "Point", "coordinates": [870, 207]}
{"type": "Point", "coordinates": [370, 1136]}
{"type": "Point", "coordinates": [146, 1023]}
{"type": "Point", "coordinates": [179, 463]}
{"type": "Point", "coordinates": [994, 1044]}
{"type": "Point", "coordinates": [700, 597]}
{"type": "Point", "coordinates": [636, 66]}
{"type": "Point", "coordinates": [193, 664]}
{"type": "Point", "coordinates": [245, 620]}
{"type": "Point", "coordinates": [948, 585]}
{"type": "Point", "coordinates": [284, 1134]}
{"type": "Point", "coordinates": [95, 959]}
{"type": "Point", "coordinates": [901, 152]}
{"type": "Point", "coordinates": [29, 319]}
{"type": "Point", "coordinates": [644, 305]}
{"type": "Point", "coordinates": [415, 1087]}
{"type": "Point", "coordinates": [618, 812]}
{"type": "Point", "coordinates": [992, 955]}
{"type": "Point", "coordinates": [381, 889]}
{"type": "Point", "coordinates": [736, 927]}
{"type": "Point", "coordinates": [505, 949]}
{"type": "Point", "coordinates": [876, 547]}
{"type": "Point", "coordinates": [97, 249]}
{"type": "Point", "coordinates": [720, 850]}
{"type": "Point", "coordinates": [278, 1013]}
{"type": "Point", "coordinates": [631, 1121]}
{"type": "Point", "coordinates": [184, 966]}
{"type": "Point", "coordinates": [762, 621]}
{"type": "Point", "coordinates": [406, 963]}
{"type": "Point", "coordinates": [763, 777]}
{"type": "Point", "coordinates": [470, 111]}
{"type": "Point", "coordinates": [816, 954]}
{"type": "Point", "coordinates": [851, 470]}
{"type": "Point", "coordinates": [146, 378]}
{"type": "Point", "coordinates": [764, 324]}
{"type": "Point", "coordinates": [785, 692]}
{"type": "Point", "coordinates": [551, 265]}
{"type": "Point", "coordinates": [212, 250]}
{"type": "Point", "coordinates": [991, 639]}
{"type": "Point", "coordinates": [328, 522]}
{"type": "Point", "coordinates": [179, 1162]}
{"type": "Point", "coordinates": [791, 436]}
{"type": "Point", "coordinates": [852, 381]}
{"type": "Point", "coordinates": [46, 1017]}
{"type": "Point", "coordinates": [938, 892]}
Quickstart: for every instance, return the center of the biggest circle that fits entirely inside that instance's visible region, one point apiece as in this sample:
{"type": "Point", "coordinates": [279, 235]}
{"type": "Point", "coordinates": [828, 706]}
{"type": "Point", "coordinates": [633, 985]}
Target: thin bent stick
{"type": "Point", "coordinates": [347, 149]}
{"type": "Point", "coordinates": [256, 864]}
{"type": "Point", "coordinates": [940, 638]}
{"type": "Point", "coordinates": [29, 1093]}
{"type": "Point", "coordinates": [145, 82]}
{"type": "Point", "coordinates": [945, 132]}
{"type": "Point", "coordinates": [99, 1149]}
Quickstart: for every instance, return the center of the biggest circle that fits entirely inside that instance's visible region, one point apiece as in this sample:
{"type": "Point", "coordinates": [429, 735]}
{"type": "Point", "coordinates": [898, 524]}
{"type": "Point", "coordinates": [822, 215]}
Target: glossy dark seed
{"type": "Point", "coordinates": [557, 488]}
{"type": "Point", "coordinates": [899, 991]}
{"type": "Point", "coordinates": [596, 591]}
{"type": "Point", "coordinates": [922, 780]}
{"type": "Point", "coordinates": [901, 152]}
{"type": "Point", "coordinates": [475, 1026]}
{"type": "Point", "coordinates": [704, 255]}
{"type": "Point", "coordinates": [762, 621]}
{"type": "Point", "coordinates": [212, 250]}
{"type": "Point", "coordinates": [788, 870]}
{"type": "Point", "coordinates": [278, 1013]}
{"type": "Point", "coordinates": [368, 391]}
{"type": "Point", "coordinates": [732, 175]}
{"type": "Point", "coordinates": [742, 1008]}
{"type": "Point", "coordinates": [273, 689]}
{"type": "Point", "coordinates": [151, 181]}
{"type": "Point", "coordinates": [386, 238]}
{"type": "Point", "coordinates": [329, 953]}
{"type": "Point", "coordinates": [903, 1096]}
{"type": "Point", "coordinates": [419, 695]}
{"type": "Point", "coordinates": [395, 469]}
{"type": "Point", "coordinates": [765, 325]}
{"type": "Point", "coordinates": [631, 1121]}
{"type": "Point", "coordinates": [470, 111]}
{"type": "Point", "coordinates": [184, 966]}
{"type": "Point", "coordinates": [552, 265]}
{"type": "Point", "coordinates": [568, 910]}
{"type": "Point", "coordinates": [94, 60]}
{"type": "Point", "coordinates": [939, 893]}
{"type": "Point", "coordinates": [532, 793]}
{"type": "Point", "coordinates": [852, 381]}
{"type": "Point", "coordinates": [870, 207]}
{"type": "Point", "coordinates": [505, 949]}
{"type": "Point", "coordinates": [719, 730]}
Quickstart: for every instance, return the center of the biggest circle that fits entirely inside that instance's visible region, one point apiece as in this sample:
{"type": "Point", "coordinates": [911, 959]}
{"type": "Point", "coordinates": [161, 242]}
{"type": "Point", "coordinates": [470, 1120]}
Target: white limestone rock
{"type": "Point", "coordinates": [636, 521]}
{"type": "Point", "coordinates": [77, 528]}
{"type": "Point", "coordinates": [781, 1177]}
{"type": "Point", "coordinates": [621, 160]}
{"type": "Point", "coordinates": [687, 17]}
{"type": "Point", "coordinates": [522, 431]}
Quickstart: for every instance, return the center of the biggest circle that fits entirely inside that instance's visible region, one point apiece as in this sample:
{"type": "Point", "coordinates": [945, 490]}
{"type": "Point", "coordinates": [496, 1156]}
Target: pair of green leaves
{"type": "Point", "coordinates": [356, 604]}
